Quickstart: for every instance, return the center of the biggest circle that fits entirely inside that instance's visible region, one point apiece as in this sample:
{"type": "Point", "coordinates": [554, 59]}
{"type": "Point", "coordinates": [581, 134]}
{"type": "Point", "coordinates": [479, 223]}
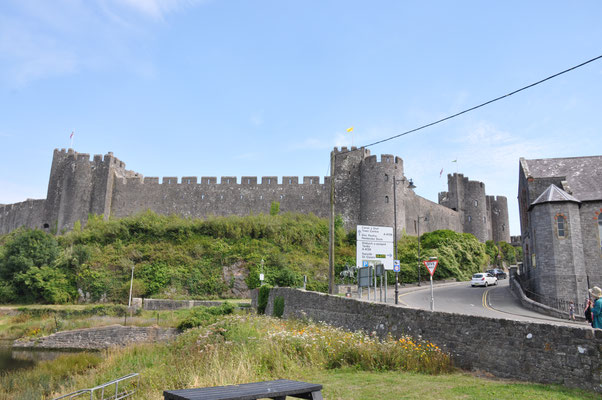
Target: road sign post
{"type": "Point", "coordinates": [431, 265]}
{"type": "Point", "coordinates": [396, 268]}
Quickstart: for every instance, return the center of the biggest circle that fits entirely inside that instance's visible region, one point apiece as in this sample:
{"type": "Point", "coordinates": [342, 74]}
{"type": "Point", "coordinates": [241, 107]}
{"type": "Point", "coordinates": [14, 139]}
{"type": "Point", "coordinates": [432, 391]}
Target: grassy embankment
{"type": "Point", "coordinates": [179, 258]}
{"type": "Point", "coordinates": [244, 348]}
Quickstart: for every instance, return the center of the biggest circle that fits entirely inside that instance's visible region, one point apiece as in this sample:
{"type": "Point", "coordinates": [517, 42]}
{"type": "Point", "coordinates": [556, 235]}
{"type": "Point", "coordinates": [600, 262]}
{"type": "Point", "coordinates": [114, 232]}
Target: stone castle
{"type": "Point", "coordinates": [364, 195]}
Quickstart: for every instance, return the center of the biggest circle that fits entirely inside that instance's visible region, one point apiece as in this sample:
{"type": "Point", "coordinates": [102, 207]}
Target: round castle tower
{"type": "Point", "coordinates": [377, 199]}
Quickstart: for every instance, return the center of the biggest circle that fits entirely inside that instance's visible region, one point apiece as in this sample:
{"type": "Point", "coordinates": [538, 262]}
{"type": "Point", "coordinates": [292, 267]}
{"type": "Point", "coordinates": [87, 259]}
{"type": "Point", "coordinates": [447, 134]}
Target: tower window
{"type": "Point", "coordinates": [476, 203]}
{"type": "Point", "coordinates": [561, 226]}
{"type": "Point", "coordinates": [290, 181]}
{"type": "Point", "coordinates": [469, 218]}
{"type": "Point", "coordinates": [386, 199]}
{"type": "Point", "coordinates": [600, 231]}
{"type": "Point", "coordinates": [386, 178]}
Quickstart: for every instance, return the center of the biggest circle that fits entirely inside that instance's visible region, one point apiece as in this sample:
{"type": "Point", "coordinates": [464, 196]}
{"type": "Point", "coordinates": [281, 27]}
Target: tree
{"type": "Point", "coordinates": [26, 249]}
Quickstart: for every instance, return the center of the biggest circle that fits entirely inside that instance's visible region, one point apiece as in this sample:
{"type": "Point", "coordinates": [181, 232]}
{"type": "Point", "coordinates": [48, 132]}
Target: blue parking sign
{"type": "Point", "coordinates": [396, 266]}
{"type": "Point", "coordinates": [365, 264]}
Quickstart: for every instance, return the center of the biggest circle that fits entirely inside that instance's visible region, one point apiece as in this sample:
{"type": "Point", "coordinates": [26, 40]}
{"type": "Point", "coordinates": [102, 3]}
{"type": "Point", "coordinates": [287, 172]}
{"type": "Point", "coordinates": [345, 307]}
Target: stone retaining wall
{"type": "Point", "coordinates": [98, 338]}
{"type": "Point", "coordinates": [166, 304]}
{"type": "Point", "coordinates": [528, 351]}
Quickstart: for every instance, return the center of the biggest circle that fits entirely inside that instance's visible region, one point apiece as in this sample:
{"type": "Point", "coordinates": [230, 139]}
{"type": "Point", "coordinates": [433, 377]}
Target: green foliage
{"type": "Point", "coordinates": [278, 306]}
{"type": "Point", "coordinates": [274, 208]}
{"type": "Point", "coordinates": [460, 255]}
{"type": "Point", "coordinates": [26, 248]}
{"type": "Point", "coordinates": [508, 253]}
{"type": "Point", "coordinates": [45, 284]}
{"type": "Point", "coordinates": [262, 298]}
{"type": "Point", "coordinates": [203, 316]}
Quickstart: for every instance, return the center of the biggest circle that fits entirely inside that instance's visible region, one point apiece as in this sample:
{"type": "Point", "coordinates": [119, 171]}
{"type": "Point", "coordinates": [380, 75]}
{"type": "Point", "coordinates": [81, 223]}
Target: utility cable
{"type": "Point", "coordinates": [477, 106]}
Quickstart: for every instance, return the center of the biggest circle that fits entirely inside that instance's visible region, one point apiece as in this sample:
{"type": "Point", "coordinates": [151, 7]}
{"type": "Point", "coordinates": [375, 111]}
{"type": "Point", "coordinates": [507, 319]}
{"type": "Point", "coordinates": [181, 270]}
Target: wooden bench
{"type": "Point", "coordinates": [277, 390]}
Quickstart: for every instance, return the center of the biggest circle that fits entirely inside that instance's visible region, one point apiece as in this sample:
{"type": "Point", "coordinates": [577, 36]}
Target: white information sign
{"type": "Point", "coordinates": [375, 246]}
{"type": "Point", "coordinates": [374, 233]}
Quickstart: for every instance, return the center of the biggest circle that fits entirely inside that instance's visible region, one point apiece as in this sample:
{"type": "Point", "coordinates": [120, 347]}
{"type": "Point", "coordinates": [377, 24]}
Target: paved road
{"type": "Point", "coordinates": [493, 301]}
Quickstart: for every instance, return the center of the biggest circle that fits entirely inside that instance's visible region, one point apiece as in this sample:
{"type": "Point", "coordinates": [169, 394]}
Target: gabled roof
{"type": "Point", "coordinates": [553, 194]}
{"type": "Point", "coordinates": [581, 174]}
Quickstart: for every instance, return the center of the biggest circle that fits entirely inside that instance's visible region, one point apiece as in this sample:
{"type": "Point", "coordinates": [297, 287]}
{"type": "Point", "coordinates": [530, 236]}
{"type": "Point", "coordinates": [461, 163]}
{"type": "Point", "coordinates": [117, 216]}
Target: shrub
{"type": "Point", "coordinates": [262, 298]}
{"type": "Point", "coordinates": [203, 316]}
{"type": "Point", "coordinates": [278, 307]}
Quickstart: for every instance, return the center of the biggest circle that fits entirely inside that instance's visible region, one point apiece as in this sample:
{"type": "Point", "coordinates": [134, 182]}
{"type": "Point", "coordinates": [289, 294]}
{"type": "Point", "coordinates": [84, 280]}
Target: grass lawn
{"type": "Point", "coordinates": [231, 349]}
{"type": "Point", "coordinates": [351, 384]}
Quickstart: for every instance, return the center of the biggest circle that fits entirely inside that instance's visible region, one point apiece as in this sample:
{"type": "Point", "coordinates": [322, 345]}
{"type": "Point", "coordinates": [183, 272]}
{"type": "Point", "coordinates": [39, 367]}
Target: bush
{"type": "Point", "coordinates": [278, 307]}
{"type": "Point", "coordinates": [203, 316]}
{"type": "Point", "coordinates": [262, 298]}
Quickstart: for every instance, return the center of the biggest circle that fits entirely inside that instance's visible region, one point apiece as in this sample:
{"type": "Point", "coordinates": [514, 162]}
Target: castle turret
{"type": "Point", "coordinates": [498, 208]}
{"type": "Point", "coordinates": [347, 183]}
{"type": "Point", "coordinates": [78, 187]}
{"type": "Point", "coordinates": [377, 199]}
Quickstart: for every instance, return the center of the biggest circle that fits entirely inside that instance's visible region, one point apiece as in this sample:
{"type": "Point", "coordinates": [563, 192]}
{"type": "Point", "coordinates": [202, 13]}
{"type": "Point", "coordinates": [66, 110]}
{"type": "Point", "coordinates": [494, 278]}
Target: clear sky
{"type": "Point", "coordinates": [256, 87]}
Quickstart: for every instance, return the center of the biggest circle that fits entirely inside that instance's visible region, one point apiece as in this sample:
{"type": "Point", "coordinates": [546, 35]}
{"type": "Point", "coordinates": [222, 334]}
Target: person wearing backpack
{"type": "Point", "coordinates": [596, 293]}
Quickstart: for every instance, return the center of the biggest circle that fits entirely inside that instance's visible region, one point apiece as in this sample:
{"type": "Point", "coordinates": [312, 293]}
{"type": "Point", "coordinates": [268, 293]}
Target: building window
{"type": "Point", "coordinates": [600, 231]}
{"type": "Point", "coordinates": [469, 218]}
{"type": "Point", "coordinates": [281, 197]}
{"type": "Point", "coordinates": [269, 181]}
{"type": "Point", "coordinates": [476, 203]}
{"type": "Point", "coordinates": [561, 226]}
{"type": "Point", "coordinates": [302, 197]}
{"type": "Point", "coordinates": [311, 181]}
{"type": "Point", "coordinates": [386, 178]}
{"type": "Point", "coordinates": [290, 181]}
{"type": "Point", "coordinates": [484, 220]}
{"type": "Point", "coordinates": [248, 181]}
{"type": "Point", "coordinates": [202, 197]}
{"type": "Point", "coordinates": [386, 199]}
{"type": "Point", "coordinates": [503, 227]}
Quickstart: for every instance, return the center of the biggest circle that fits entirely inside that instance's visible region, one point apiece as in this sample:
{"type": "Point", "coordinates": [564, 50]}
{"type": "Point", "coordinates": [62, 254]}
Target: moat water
{"type": "Point", "coordinates": [13, 360]}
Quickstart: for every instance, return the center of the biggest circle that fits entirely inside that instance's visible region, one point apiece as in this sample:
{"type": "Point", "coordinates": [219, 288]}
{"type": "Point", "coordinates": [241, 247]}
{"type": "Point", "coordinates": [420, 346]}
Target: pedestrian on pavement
{"type": "Point", "coordinates": [572, 310]}
{"type": "Point", "coordinates": [587, 312]}
{"type": "Point", "coordinates": [596, 293]}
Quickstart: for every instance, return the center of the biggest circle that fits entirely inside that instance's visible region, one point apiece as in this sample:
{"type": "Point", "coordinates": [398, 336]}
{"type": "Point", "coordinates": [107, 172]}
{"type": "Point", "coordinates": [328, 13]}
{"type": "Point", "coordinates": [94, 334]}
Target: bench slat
{"type": "Point", "coordinates": [246, 391]}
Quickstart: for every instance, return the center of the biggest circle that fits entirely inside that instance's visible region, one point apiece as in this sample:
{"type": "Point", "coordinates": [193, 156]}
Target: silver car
{"type": "Point", "coordinates": [483, 279]}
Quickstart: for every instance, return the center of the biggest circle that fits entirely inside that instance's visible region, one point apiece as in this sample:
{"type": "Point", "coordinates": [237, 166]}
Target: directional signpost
{"type": "Point", "coordinates": [375, 246]}
{"type": "Point", "coordinates": [431, 265]}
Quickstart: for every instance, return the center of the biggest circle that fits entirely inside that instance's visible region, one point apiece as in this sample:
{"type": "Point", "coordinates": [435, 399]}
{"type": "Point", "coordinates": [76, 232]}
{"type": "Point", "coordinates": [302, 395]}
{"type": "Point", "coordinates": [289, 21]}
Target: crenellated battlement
{"type": "Point", "coordinates": [384, 159]}
{"type": "Point", "coordinates": [109, 158]}
{"type": "Point", "coordinates": [224, 181]}
{"type": "Point", "coordinates": [363, 184]}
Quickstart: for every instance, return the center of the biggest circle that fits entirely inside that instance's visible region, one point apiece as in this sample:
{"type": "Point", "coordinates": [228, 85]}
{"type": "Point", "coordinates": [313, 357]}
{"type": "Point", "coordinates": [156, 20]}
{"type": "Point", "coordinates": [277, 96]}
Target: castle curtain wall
{"type": "Point", "coordinates": [29, 213]}
{"type": "Point", "coordinates": [190, 198]}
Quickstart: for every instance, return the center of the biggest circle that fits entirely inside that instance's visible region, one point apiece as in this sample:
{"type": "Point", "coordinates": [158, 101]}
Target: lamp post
{"type": "Point", "coordinates": [418, 226]}
{"type": "Point", "coordinates": [410, 186]}
{"type": "Point", "coordinates": [131, 287]}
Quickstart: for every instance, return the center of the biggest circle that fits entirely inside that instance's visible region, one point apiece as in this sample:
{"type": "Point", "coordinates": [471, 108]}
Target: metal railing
{"type": "Point", "coordinates": [128, 388]}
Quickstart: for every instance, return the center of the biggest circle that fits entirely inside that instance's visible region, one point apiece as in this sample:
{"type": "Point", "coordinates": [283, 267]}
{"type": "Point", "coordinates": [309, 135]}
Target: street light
{"type": "Point", "coordinates": [410, 186]}
{"type": "Point", "coordinates": [418, 226]}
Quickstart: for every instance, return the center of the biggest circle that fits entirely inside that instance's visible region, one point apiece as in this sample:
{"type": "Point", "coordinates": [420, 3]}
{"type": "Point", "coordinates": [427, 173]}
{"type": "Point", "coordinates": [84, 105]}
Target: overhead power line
{"type": "Point", "coordinates": [480, 105]}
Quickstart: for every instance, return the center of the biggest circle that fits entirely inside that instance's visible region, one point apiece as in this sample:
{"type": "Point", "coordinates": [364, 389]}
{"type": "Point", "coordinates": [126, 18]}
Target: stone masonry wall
{"type": "Point", "coordinates": [190, 198]}
{"type": "Point", "coordinates": [166, 304]}
{"type": "Point", "coordinates": [535, 352]}
{"type": "Point", "coordinates": [27, 213]}
{"type": "Point", "coordinates": [99, 338]}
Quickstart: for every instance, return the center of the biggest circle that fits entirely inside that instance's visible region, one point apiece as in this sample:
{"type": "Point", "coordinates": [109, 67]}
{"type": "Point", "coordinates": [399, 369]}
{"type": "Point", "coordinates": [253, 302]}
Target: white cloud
{"type": "Point", "coordinates": [41, 39]}
{"type": "Point", "coordinates": [157, 8]}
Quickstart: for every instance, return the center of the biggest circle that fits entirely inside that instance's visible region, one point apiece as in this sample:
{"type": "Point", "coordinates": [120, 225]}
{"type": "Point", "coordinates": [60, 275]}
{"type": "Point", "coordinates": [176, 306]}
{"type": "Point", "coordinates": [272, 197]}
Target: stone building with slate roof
{"type": "Point", "coordinates": [560, 204]}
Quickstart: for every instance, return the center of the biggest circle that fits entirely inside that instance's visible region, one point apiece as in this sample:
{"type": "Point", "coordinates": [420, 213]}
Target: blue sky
{"type": "Point", "coordinates": [255, 87]}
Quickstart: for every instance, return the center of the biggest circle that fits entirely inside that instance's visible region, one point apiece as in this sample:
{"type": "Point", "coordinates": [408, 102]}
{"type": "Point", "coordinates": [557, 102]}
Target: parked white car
{"type": "Point", "coordinates": [483, 279]}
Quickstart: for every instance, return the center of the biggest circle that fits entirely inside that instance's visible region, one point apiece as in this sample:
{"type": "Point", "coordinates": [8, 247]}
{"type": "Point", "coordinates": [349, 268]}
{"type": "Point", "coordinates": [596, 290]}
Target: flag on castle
{"type": "Point", "coordinates": [71, 136]}
{"type": "Point", "coordinates": [441, 173]}
{"type": "Point", "coordinates": [350, 129]}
